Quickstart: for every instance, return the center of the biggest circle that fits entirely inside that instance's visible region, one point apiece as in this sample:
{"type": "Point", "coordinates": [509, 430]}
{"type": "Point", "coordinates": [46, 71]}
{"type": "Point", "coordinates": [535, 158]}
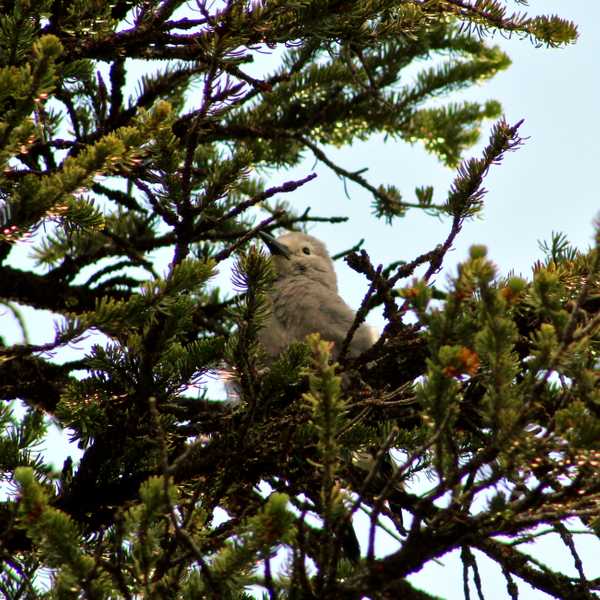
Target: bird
{"type": "Point", "coordinates": [304, 298]}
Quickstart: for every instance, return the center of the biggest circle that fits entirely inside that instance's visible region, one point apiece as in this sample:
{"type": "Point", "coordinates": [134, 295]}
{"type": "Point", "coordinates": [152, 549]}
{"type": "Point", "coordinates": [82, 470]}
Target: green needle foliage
{"type": "Point", "coordinates": [136, 142]}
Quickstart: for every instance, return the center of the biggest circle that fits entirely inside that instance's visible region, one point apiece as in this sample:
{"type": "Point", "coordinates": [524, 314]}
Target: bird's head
{"type": "Point", "coordinates": [300, 255]}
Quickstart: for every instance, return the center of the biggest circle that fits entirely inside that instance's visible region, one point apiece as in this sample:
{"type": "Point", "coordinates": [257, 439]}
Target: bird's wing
{"type": "Point", "coordinates": [321, 310]}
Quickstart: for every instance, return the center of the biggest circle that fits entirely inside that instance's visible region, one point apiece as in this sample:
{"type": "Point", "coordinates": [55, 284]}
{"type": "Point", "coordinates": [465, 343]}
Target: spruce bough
{"type": "Point", "coordinates": [134, 129]}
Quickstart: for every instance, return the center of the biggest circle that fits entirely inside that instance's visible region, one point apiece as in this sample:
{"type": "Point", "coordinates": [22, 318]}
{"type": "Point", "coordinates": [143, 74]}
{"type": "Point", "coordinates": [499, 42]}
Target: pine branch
{"type": "Point", "coordinates": [548, 581]}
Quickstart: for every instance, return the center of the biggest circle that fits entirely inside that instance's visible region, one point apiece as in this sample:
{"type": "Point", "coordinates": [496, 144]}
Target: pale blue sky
{"type": "Point", "coordinates": [549, 184]}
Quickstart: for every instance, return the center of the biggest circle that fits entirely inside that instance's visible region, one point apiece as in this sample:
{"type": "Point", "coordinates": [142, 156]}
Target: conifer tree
{"type": "Point", "coordinates": [134, 129]}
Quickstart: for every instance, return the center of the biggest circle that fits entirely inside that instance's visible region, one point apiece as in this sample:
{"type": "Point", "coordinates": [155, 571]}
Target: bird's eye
{"type": "Point", "coordinates": [306, 250]}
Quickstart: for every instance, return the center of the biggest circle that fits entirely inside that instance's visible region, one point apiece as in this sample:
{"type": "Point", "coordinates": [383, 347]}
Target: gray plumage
{"type": "Point", "coordinates": [304, 298]}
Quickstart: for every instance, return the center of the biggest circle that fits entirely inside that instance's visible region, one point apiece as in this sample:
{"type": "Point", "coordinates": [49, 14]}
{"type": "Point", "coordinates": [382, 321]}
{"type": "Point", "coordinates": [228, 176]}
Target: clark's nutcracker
{"type": "Point", "coordinates": [304, 298]}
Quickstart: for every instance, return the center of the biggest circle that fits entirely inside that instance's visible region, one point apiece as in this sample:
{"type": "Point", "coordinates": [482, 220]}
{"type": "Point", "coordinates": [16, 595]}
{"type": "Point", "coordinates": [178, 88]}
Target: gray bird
{"type": "Point", "coordinates": [304, 298]}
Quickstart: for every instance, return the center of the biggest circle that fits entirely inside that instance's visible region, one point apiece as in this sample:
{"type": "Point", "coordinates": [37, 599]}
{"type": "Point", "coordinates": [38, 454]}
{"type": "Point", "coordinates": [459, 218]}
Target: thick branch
{"type": "Point", "coordinates": [34, 380]}
{"type": "Point", "coordinates": [553, 583]}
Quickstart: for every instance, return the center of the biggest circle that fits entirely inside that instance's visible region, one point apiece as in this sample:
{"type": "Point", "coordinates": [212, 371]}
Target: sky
{"type": "Point", "coordinates": [547, 185]}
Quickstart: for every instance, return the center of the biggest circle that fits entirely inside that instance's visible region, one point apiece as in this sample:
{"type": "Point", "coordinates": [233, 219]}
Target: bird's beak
{"type": "Point", "coordinates": [274, 246]}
